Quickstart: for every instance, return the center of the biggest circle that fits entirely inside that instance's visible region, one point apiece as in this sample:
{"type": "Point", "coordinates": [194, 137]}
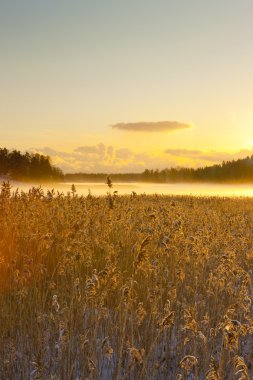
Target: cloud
{"type": "Point", "coordinates": [123, 153]}
{"type": "Point", "coordinates": [103, 158]}
{"type": "Point", "coordinates": [210, 156]}
{"type": "Point", "coordinates": [94, 149]}
{"type": "Point", "coordinates": [155, 126]}
{"type": "Point", "coordinates": [184, 152]}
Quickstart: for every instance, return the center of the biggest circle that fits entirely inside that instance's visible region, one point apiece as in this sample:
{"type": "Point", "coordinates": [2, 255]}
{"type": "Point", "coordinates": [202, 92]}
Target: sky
{"type": "Point", "coordinates": [124, 85]}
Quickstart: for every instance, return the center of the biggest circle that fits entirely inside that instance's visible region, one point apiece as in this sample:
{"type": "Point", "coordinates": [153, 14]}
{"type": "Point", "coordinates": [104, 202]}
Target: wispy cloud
{"type": "Point", "coordinates": [107, 159]}
{"type": "Point", "coordinates": [154, 126]}
{"type": "Point", "coordinates": [210, 156]}
{"type": "Point", "coordinates": [184, 152]}
{"type": "Point", "coordinates": [103, 158]}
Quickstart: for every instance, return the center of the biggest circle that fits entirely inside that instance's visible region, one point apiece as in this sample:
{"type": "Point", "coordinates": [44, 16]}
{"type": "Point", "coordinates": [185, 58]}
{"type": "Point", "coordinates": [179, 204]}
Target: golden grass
{"type": "Point", "coordinates": [119, 287]}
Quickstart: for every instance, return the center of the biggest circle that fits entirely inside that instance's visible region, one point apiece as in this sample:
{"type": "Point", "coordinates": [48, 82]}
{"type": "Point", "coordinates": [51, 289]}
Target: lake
{"type": "Point", "coordinates": [195, 189]}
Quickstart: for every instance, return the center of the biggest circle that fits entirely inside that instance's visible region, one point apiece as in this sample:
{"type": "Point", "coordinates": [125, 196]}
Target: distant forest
{"type": "Point", "coordinates": [27, 166]}
{"type": "Point", "coordinates": [231, 171]}
{"type": "Point", "coordinates": [35, 166]}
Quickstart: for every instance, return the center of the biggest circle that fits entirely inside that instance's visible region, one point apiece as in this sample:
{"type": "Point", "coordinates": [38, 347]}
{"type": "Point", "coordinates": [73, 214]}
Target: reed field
{"type": "Point", "coordinates": [125, 287]}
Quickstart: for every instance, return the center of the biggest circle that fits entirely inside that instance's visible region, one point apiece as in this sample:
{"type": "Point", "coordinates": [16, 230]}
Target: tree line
{"type": "Point", "coordinates": [27, 166]}
{"type": "Point", "coordinates": [35, 166]}
{"type": "Point", "coordinates": [240, 170]}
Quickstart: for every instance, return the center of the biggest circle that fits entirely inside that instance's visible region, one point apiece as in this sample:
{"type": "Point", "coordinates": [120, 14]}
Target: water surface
{"type": "Point", "coordinates": [195, 189]}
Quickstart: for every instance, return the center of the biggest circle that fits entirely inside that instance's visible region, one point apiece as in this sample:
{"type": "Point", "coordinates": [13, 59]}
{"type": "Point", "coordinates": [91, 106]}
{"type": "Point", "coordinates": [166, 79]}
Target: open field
{"type": "Point", "coordinates": [125, 287]}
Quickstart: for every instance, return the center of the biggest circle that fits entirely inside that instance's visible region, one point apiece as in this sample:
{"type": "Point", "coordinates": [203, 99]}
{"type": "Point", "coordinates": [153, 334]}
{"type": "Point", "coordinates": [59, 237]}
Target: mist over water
{"type": "Point", "coordinates": [195, 189]}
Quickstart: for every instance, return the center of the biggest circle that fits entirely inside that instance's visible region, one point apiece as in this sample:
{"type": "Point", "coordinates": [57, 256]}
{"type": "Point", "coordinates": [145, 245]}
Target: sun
{"type": "Point", "coordinates": [249, 144]}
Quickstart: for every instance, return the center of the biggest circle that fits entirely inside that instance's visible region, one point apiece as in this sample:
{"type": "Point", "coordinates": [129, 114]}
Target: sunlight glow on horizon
{"type": "Point", "coordinates": [70, 72]}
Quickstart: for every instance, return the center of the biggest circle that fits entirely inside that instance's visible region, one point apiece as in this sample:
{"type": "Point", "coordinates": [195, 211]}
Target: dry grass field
{"type": "Point", "coordinates": [125, 287]}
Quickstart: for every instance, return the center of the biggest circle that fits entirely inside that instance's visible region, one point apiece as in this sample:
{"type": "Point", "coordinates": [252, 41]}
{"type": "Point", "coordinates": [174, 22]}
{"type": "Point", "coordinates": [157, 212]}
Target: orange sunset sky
{"type": "Point", "coordinates": [121, 86]}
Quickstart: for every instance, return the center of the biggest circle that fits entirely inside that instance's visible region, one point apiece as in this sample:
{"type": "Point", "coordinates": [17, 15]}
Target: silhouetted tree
{"type": "Point", "coordinates": [237, 170]}
{"type": "Point", "coordinates": [27, 166]}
